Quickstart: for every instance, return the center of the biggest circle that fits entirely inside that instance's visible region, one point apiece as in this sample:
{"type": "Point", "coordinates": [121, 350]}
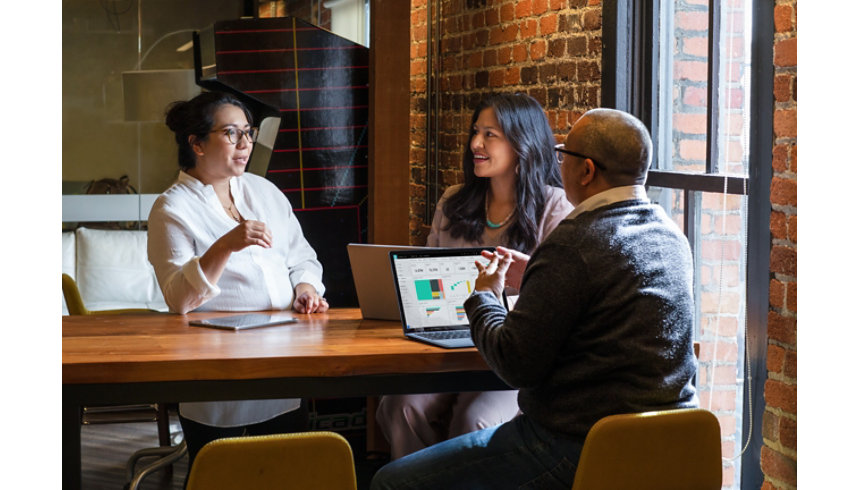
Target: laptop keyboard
{"type": "Point", "coordinates": [447, 334]}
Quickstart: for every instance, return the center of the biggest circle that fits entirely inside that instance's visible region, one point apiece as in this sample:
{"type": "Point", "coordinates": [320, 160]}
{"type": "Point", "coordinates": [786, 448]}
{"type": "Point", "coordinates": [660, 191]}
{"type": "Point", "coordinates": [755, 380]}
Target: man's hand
{"type": "Point", "coordinates": [490, 277]}
{"type": "Point", "coordinates": [516, 268]}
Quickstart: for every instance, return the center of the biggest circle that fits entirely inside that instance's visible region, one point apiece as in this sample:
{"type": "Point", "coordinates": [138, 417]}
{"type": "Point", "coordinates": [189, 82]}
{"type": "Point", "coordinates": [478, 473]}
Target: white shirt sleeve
{"type": "Point", "coordinates": [177, 268]}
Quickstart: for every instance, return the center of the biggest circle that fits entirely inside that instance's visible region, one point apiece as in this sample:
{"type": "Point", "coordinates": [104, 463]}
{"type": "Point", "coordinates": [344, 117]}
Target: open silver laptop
{"type": "Point", "coordinates": [371, 272]}
{"type": "Point", "coordinates": [432, 285]}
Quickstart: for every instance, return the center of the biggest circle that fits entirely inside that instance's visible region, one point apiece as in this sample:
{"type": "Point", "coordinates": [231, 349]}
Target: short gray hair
{"type": "Point", "coordinates": [619, 141]}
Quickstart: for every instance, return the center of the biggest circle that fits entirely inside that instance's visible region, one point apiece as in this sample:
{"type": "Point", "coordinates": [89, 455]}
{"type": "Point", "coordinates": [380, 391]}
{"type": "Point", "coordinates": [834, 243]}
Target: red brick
{"type": "Point", "coordinates": [577, 46]}
{"type": "Point", "coordinates": [778, 290]}
{"type": "Point", "coordinates": [783, 18]}
{"type": "Point", "coordinates": [588, 71]}
{"type": "Point", "coordinates": [528, 29]}
{"type": "Point", "coordinates": [693, 149]}
{"type": "Point", "coordinates": [780, 154]}
{"type": "Point", "coordinates": [727, 425]}
{"type": "Point", "coordinates": [691, 21]}
{"type": "Point", "coordinates": [539, 7]}
{"type": "Point", "coordinates": [783, 260]}
{"type": "Point", "coordinates": [724, 303]}
{"type": "Point", "coordinates": [478, 20]}
{"type": "Point", "coordinates": [418, 68]}
{"type": "Point", "coordinates": [781, 328]}
{"type": "Point", "coordinates": [511, 76]}
{"type": "Point", "coordinates": [791, 296]}
{"type": "Point", "coordinates": [695, 46]}
{"type": "Point", "coordinates": [695, 96]}
{"type": "Point", "coordinates": [787, 432]}
{"type": "Point", "coordinates": [785, 53]}
{"type": "Point", "coordinates": [793, 155]}
{"type": "Point", "coordinates": [592, 20]}
{"type": "Point", "coordinates": [769, 426]}
{"type": "Point", "coordinates": [690, 123]}
{"type": "Point", "coordinates": [718, 351]}
{"type": "Point", "coordinates": [724, 326]}
{"type": "Point", "coordinates": [782, 88]}
{"type": "Point", "coordinates": [720, 400]}
{"type": "Point", "coordinates": [778, 466]}
{"type": "Point", "coordinates": [781, 395]}
{"type": "Point", "coordinates": [595, 46]}
{"type": "Point", "coordinates": [496, 78]}
{"type": "Point", "coordinates": [491, 17]}
{"type": "Point", "coordinates": [523, 8]}
{"type": "Point", "coordinates": [548, 24]}
{"type": "Point", "coordinates": [520, 53]}
{"type": "Point", "coordinates": [490, 58]}
{"type": "Point", "coordinates": [784, 123]}
{"type": "Point", "coordinates": [783, 191]}
{"type": "Point", "coordinates": [695, 71]}
{"type": "Point", "coordinates": [538, 50]}
{"type": "Point", "coordinates": [507, 13]}
{"type": "Point", "coordinates": [775, 359]}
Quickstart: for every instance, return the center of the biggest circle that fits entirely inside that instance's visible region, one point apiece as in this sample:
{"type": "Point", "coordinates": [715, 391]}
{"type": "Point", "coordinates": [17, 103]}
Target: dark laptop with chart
{"type": "Point", "coordinates": [432, 286]}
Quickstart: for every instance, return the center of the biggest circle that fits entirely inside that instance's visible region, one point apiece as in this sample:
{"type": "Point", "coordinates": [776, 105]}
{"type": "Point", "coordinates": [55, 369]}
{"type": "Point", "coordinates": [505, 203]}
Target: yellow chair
{"type": "Point", "coordinates": [665, 450]}
{"type": "Point", "coordinates": [76, 304]}
{"type": "Point", "coordinates": [156, 412]}
{"type": "Point", "coordinates": [302, 460]}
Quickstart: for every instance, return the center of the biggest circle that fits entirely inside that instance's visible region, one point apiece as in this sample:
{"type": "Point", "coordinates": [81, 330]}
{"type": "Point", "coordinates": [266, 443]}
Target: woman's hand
{"type": "Point", "coordinates": [307, 300]}
{"type": "Point", "coordinates": [516, 268]}
{"type": "Point", "coordinates": [490, 277]}
{"type": "Point", "coordinates": [245, 234]}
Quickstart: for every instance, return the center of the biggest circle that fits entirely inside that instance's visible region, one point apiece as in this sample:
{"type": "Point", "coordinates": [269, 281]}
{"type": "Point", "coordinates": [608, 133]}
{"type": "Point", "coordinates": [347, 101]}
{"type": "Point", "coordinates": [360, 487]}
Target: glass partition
{"type": "Point", "coordinates": [124, 61]}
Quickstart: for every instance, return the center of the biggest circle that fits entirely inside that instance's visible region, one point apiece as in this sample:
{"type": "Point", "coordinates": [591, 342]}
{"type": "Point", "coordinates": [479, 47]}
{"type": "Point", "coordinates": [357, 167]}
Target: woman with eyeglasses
{"type": "Point", "coordinates": [220, 239]}
{"type": "Point", "coordinates": [511, 197]}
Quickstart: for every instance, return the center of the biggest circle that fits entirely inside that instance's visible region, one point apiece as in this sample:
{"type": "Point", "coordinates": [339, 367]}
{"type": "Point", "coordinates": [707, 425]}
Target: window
{"type": "Point", "coordinates": [699, 74]}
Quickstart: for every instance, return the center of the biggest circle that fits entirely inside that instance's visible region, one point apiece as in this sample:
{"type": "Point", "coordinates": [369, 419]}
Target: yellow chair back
{"type": "Point", "coordinates": [665, 450]}
{"type": "Point", "coordinates": [303, 460]}
{"type": "Point", "coordinates": [75, 303]}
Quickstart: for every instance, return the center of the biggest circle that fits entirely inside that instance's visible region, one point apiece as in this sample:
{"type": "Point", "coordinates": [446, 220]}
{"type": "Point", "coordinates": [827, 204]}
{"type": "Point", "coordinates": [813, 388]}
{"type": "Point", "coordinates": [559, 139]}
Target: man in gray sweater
{"type": "Point", "coordinates": [603, 323]}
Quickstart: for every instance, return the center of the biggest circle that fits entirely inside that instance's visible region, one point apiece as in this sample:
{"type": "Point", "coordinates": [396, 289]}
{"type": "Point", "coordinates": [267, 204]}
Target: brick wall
{"type": "Point", "coordinates": [549, 49]}
{"type": "Point", "coordinates": [778, 455]}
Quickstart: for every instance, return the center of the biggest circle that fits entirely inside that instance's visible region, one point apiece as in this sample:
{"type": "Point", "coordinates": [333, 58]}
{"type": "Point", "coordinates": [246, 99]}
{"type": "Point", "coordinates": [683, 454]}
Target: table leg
{"type": "Point", "coordinates": [72, 447]}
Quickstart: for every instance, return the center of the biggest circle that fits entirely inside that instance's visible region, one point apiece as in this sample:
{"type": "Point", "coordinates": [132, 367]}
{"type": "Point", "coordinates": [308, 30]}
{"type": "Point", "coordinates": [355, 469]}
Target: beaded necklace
{"type": "Point", "coordinates": [490, 223]}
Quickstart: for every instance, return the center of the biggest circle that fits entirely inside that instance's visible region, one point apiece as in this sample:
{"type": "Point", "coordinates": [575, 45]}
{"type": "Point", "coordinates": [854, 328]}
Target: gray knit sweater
{"type": "Point", "coordinates": [603, 323]}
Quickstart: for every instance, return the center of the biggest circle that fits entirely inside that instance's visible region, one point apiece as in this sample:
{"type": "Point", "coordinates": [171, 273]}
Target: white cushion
{"type": "Point", "coordinates": [113, 270]}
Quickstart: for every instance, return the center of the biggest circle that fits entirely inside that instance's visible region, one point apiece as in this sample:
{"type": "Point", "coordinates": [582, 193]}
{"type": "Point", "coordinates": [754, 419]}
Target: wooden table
{"type": "Point", "coordinates": [111, 359]}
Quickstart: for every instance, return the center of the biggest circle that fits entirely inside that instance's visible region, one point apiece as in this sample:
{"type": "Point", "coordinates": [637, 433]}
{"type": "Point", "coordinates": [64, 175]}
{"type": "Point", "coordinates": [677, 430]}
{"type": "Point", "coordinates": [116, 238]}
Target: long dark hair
{"type": "Point", "coordinates": [196, 117]}
{"type": "Point", "coordinates": [526, 128]}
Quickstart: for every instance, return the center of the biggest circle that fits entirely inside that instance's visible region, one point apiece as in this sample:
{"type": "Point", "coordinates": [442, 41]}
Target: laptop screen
{"type": "Point", "coordinates": [432, 286]}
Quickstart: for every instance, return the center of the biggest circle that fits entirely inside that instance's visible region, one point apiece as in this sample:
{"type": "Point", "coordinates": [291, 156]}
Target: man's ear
{"type": "Point", "coordinates": [196, 147]}
{"type": "Point", "coordinates": [588, 173]}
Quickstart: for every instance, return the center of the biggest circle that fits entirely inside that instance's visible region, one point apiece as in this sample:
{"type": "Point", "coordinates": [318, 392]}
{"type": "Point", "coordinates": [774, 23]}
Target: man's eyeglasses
{"type": "Point", "coordinates": [235, 134]}
{"type": "Point", "coordinates": [559, 155]}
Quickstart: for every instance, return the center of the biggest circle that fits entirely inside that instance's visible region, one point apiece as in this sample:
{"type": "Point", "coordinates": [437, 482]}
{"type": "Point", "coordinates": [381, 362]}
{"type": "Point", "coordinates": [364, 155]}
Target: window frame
{"type": "Point", "coordinates": [630, 64]}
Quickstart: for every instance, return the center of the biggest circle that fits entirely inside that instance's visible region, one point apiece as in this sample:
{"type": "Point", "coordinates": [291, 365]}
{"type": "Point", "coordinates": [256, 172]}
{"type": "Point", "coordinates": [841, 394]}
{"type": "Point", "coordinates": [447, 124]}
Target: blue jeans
{"type": "Point", "coordinates": [517, 454]}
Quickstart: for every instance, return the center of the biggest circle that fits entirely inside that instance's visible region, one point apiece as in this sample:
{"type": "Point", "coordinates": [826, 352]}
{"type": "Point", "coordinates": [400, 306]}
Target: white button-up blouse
{"type": "Point", "coordinates": [184, 222]}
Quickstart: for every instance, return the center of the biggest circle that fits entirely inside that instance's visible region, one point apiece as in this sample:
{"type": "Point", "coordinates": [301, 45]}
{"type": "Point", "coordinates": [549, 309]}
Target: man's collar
{"type": "Point", "coordinates": [610, 196]}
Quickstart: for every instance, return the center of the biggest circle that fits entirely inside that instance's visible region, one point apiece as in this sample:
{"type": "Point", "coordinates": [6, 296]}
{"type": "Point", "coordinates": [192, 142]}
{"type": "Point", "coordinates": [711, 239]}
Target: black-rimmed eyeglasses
{"type": "Point", "coordinates": [235, 134]}
{"type": "Point", "coordinates": [559, 155]}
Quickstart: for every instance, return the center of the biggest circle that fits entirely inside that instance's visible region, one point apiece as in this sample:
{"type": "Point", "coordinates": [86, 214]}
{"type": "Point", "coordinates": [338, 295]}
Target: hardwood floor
{"type": "Point", "coordinates": [105, 449]}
